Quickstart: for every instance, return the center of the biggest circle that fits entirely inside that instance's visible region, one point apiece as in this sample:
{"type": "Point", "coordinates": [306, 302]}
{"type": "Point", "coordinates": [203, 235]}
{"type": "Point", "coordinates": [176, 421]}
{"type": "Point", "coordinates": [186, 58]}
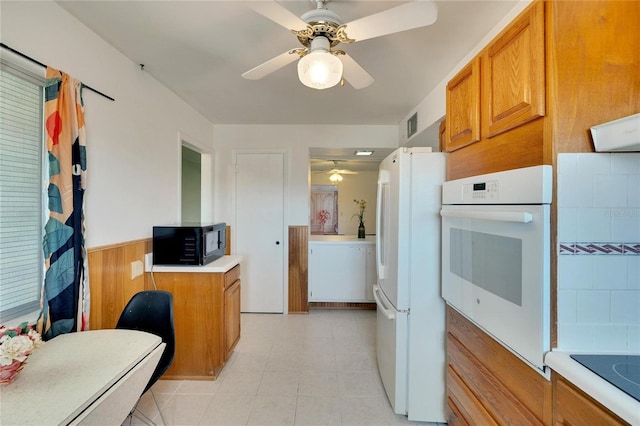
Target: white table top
{"type": "Point", "coordinates": [350, 239]}
{"type": "Point", "coordinates": [69, 372]}
{"type": "Point", "coordinates": [593, 385]}
{"type": "Point", "coordinates": [222, 265]}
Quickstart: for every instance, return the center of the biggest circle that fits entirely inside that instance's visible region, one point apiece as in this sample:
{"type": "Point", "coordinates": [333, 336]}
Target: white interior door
{"type": "Point", "coordinates": [259, 230]}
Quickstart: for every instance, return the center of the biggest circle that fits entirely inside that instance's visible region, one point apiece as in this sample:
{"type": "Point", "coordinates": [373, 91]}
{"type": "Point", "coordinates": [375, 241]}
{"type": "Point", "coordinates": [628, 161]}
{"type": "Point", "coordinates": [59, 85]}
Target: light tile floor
{"type": "Point", "coordinates": [316, 369]}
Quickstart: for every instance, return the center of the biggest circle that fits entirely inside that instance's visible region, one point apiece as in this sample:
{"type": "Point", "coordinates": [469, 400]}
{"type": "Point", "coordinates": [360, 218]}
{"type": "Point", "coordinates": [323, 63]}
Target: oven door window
{"type": "Point", "coordinates": [491, 262]}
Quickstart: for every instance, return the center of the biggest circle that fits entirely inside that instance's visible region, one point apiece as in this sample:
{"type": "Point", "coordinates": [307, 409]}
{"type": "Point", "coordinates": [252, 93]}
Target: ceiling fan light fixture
{"type": "Point", "coordinates": [336, 177]}
{"type": "Point", "coordinates": [319, 69]}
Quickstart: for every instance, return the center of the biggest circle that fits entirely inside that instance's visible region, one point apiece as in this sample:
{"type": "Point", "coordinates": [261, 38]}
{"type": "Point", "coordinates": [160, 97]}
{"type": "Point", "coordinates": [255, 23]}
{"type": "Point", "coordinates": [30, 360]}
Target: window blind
{"type": "Point", "coordinates": [21, 194]}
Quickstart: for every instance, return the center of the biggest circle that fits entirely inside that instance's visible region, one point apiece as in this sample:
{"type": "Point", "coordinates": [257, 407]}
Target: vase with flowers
{"type": "Point", "coordinates": [323, 216]}
{"type": "Point", "coordinates": [16, 344]}
{"type": "Point", "coordinates": [362, 205]}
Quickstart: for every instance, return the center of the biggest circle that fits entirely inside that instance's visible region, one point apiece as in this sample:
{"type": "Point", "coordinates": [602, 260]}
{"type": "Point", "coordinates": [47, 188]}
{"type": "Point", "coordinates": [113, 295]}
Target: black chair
{"type": "Point", "coordinates": [152, 311]}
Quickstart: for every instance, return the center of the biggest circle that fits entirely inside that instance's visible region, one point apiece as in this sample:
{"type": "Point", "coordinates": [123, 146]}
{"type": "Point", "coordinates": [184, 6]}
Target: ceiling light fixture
{"type": "Point", "coordinates": [336, 177]}
{"type": "Point", "coordinates": [363, 152]}
{"type": "Point", "coordinates": [320, 69]}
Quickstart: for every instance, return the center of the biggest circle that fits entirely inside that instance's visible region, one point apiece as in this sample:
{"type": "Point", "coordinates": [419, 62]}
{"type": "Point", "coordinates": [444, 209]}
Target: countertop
{"type": "Point", "coordinates": [351, 239]}
{"type": "Point", "coordinates": [593, 385]}
{"type": "Point", "coordinates": [222, 265]}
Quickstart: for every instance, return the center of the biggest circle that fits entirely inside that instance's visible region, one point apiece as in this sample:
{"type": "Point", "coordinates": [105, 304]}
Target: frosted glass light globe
{"type": "Point", "coordinates": [319, 69]}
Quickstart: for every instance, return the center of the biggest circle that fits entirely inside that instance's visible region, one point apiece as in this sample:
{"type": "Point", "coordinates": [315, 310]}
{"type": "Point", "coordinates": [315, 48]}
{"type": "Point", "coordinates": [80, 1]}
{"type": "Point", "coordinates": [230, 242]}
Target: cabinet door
{"type": "Point", "coordinates": [513, 74]}
{"type": "Point", "coordinates": [231, 317]}
{"type": "Point", "coordinates": [371, 275]}
{"type": "Point", "coordinates": [337, 272]}
{"type": "Point", "coordinates": [463, 107]}
{"type": "Point", "coordinates": [573, 407]}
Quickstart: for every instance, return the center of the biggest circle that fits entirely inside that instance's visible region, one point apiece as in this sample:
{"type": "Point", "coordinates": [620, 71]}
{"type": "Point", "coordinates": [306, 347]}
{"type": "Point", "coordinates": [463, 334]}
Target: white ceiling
{"type": "Point", "coordinates": [199, 49]}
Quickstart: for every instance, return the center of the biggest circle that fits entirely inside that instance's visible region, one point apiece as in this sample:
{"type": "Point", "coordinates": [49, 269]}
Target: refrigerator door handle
{"type": "Point", "coordinates": [385, 310]}
{"type": "Point", "coordinates": [383, 179]}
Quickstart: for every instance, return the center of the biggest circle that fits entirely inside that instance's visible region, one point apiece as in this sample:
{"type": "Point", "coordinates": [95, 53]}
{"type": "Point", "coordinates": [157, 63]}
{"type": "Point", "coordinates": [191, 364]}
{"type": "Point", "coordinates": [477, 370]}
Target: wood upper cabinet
{"type": "Point", "coordinates": [513, 74]}
{"type": "Point", "coordinates": [463, 107]}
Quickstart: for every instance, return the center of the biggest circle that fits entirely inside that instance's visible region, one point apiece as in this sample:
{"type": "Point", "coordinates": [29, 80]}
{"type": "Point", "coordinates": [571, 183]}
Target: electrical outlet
{"type": "Point", "coordinates": [136, 269]}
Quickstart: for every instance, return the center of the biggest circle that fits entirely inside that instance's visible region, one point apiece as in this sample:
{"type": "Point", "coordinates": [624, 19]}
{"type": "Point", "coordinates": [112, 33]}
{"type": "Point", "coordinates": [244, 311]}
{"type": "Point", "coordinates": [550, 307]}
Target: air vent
{"type": "Point", "coordinates": [412, 125]}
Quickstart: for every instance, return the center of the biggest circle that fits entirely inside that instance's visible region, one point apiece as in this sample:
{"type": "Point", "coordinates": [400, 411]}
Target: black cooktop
{"type": "Point", "coordinates": [622, 371]}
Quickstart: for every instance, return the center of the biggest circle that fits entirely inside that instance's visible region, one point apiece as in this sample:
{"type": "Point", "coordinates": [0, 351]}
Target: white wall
{"type": "Point", "coordinates": [296, 141]}
{"type": "Point", "coordinates": [133, 144]}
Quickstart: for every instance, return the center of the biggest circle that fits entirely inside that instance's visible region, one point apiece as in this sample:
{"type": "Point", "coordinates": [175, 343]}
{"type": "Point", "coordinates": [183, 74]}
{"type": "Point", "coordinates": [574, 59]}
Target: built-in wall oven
{"type": "Point", "coordinates": [496, 256]}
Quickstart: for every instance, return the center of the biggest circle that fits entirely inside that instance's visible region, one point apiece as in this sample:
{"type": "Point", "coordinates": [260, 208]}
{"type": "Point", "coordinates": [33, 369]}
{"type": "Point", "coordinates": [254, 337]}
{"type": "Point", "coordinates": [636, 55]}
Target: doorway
{"type": "Point", "coordinates": [191, 202]}
{"type": "Point", "coordinates": [259, 229]}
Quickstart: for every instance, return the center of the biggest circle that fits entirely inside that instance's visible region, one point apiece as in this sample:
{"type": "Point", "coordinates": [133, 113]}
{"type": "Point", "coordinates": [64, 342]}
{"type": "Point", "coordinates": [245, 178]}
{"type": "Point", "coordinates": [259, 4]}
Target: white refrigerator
{"type": "Point", "coordinates": [410, 339]}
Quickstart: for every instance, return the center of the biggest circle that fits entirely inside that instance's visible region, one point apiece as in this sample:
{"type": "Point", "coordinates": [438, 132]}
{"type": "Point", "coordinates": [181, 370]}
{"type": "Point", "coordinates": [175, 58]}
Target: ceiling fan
{"type": "Point", "coordinates": [320, 30]}
{"type": "Point", "coordinates": [336, 173]}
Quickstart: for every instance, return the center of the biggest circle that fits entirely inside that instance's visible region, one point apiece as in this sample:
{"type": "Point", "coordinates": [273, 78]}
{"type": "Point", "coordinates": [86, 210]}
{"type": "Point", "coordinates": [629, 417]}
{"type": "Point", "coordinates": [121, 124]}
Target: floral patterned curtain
{"type": "Point", "coordinates": [65, 295]}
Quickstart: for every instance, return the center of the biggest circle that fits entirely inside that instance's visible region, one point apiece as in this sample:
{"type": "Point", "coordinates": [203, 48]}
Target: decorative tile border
{"type": "Point", "coordinates": [586, 248]}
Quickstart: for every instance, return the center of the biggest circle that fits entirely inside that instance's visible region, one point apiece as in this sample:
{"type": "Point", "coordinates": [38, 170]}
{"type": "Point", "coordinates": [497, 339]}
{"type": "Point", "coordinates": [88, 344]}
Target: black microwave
{"type": "Point", "coordinates": [188, 244]}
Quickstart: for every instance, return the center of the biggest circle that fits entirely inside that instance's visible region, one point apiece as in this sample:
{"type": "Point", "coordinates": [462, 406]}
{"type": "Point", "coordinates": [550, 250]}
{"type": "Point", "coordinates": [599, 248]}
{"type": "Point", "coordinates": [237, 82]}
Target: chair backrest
{"type": "Point", "coordinates": [152, 311]}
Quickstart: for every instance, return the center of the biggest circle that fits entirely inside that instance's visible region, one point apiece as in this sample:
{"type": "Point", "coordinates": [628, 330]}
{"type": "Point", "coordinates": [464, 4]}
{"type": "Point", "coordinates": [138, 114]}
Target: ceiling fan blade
{"type": "Point", "coordinates": [278, 14]}
{"type": "Point", "coordinates": [271, 65]}
{"type": "Point", "coordinates": [405, 17]}
{"type": "Point", "coordinates": [354, 73]}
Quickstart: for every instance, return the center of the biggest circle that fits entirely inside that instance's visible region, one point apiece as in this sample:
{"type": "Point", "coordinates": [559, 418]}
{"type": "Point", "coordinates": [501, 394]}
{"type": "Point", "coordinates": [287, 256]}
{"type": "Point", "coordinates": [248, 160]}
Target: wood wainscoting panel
{"type": "Point", "coordinates": [110, 282]}
{"type": "Point", "coordinates": [298, 269]}
{"type": "Point", "coordinates": [364, 306]}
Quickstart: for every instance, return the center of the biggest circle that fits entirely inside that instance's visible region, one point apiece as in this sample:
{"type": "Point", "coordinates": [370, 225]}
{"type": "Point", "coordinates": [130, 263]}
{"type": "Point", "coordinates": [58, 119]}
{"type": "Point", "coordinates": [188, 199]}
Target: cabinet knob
{"type": "Point", "coordinates": [277, 243]}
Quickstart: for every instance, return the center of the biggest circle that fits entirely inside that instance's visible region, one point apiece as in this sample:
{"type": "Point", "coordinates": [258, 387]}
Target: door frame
{"type": "Point", "coordinates": [286, 153]}
{"type": "Point", "coordinates": [207, 160]}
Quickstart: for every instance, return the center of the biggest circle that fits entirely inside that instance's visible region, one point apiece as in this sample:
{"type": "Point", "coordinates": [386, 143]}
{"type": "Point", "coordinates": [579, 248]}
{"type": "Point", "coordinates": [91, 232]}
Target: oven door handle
{"type": "Point", "coordinates": [518, 217]}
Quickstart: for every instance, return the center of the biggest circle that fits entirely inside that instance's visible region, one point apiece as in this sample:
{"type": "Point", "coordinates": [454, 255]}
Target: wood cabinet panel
{"type": "Point", "coordinates": [485, 391]}
{"type": "Point", "coordinates": [197, 306]}
{"type": "Point", "coordinates": [230, 277]}
{"type": "Point", "coordinates": [513, 74]}
{"type": "Point", "coordinates": [493, 373]}
{"type": "Point", "coordinates": [571, 406]}
{"type": "Point", "coordinates": [463, 404]}
{"type": "Point", "coordinates": [500, 152]}
{"type": "Point", "coordinates": [200, 302]}
{"type": "Point", "coordinates": [232, 317]}
{"type": "Point", "coordinates": [463, 107]}
{"type": "Point", "coordinates": [596, 75]}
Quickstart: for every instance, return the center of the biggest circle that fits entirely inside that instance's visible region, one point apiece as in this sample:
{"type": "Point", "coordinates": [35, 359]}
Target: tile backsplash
{"type": "Point", "coordinates": [599, 252]}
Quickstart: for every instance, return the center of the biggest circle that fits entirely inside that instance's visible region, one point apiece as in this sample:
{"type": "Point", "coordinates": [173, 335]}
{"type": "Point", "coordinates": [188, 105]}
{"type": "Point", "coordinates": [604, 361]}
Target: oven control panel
{"type": "Point", "coordinates": [529, 185]}
{"type": "Point", "coordinates": [481, 191]}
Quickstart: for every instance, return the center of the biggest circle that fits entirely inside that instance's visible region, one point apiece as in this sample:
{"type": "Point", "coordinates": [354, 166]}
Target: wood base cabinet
{"type": "Point", "coordinates": [231, 310]}
{"type": "Point", "coordinates": [571, 406]}
{"type": "Point", "coordinates": [487, 384]}
{"type": "Point", "coordinates": [206, 310]}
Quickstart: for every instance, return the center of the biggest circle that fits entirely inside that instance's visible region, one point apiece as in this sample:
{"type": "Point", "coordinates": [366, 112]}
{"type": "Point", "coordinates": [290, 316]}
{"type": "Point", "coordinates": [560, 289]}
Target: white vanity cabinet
{"type": "Point", "coordinates": [341, 271]}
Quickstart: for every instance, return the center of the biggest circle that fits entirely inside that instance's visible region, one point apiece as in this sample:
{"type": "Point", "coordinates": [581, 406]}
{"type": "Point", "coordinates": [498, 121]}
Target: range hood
{"type": "Point", "coordinates": [622, 135]}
